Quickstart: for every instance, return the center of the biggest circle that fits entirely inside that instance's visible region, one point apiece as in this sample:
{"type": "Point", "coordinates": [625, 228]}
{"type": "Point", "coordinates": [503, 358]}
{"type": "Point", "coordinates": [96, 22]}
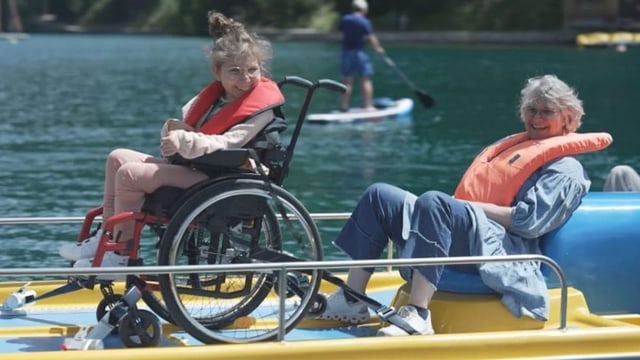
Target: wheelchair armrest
{"type": "Point", "coordinates": [226, 158]}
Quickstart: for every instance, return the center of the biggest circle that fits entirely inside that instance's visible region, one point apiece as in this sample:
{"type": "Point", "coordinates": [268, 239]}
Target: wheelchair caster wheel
{"type": "Point", "coordinates": [106, 304]}
{"type": "Point", "coordinates": [318, 306]}
{"type": "Point", "coordinates": [140, 328]}
{"type": "Point", "coordinates": [297, 284]}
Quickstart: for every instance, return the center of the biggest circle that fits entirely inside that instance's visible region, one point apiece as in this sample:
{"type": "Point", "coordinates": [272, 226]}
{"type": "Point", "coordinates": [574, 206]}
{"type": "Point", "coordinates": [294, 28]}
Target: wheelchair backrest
{"type": "Point", "coordinates": [278, 161]}
{"type": "Point", "coordinates": [268, 145]}
{"type": "Point", "coordinates": [269, 148]}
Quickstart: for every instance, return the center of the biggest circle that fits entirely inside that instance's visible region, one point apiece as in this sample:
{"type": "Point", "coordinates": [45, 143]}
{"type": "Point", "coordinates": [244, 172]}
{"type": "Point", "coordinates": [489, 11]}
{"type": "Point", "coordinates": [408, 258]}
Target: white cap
{"type": "Point", "coordinates": [360, 4]}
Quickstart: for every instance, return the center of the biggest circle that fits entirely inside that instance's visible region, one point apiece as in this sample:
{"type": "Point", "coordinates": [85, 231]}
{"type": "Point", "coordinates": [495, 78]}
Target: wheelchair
{"type": "Point", "coordinates": [237, 216]}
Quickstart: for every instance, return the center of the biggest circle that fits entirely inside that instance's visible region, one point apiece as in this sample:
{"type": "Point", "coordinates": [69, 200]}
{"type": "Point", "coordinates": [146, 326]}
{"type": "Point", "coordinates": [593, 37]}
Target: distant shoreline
{"type": "Point", "coordinates": [560, 37]}
{"type": "Point", "coordinates": [437, 37]}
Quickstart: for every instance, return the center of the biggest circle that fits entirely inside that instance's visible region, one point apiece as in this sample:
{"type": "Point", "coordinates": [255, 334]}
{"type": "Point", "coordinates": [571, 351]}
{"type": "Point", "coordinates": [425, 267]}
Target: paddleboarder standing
{"type": "Point", "coordinates": [356, 32]}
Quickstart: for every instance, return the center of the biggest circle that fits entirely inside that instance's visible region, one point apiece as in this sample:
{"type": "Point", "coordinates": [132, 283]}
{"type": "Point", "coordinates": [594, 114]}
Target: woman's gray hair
{"type": "Point", "coordinates": [556, 94]}
{"type": "Point", "coordinates": [232, 40]}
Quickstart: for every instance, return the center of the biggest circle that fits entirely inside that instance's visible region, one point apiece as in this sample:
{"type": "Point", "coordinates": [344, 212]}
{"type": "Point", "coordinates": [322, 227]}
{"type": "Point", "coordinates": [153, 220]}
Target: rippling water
{"type": "Point", "coordinates": [67, 100]}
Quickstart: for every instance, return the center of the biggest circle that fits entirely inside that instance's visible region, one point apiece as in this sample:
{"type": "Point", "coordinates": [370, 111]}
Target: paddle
{"type": "Point", "coordinates": [424, 98]}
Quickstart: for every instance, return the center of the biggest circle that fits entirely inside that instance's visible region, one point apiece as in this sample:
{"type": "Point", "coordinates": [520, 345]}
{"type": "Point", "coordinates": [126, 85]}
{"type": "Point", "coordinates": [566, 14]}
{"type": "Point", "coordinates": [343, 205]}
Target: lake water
{"type": "Point", "coordinates": [67, 100]}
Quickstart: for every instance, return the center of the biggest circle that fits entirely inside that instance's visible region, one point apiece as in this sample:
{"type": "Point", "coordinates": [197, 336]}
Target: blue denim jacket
{"type": "Point", "coordinates": [544, 203]}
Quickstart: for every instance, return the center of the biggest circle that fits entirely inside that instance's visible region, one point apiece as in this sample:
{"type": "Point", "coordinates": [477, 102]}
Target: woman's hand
{"type": "Point", "coordinates": [174, 124]}
{"type": "Point", "coordinates": [500, 214]}
{"type": "Point", "coordinates": [169, 144]}
{"type": "Point", "coordinates": [170, 136]}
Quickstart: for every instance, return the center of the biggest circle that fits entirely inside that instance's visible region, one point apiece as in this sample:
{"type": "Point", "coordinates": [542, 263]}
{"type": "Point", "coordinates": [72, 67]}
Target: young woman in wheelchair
{"type": "Point", "coordinates": [228, 113]}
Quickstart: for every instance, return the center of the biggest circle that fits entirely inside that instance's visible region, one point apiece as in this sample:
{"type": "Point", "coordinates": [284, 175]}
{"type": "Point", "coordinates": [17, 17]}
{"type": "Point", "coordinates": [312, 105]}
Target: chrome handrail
{"type": "Point", "coordinates": [79, 219]}
{"type": "Point", "coordinates": [281, 267]}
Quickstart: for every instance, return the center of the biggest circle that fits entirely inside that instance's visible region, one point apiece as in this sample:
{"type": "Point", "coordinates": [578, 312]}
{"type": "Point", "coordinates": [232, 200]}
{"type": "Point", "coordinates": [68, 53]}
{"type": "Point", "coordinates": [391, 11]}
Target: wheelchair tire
{"type": "Point", "coordinates": [236, 221]}
{"type": "Point", "coordinates": [105, 305]}
{"type": "Point", "coordinates": [139, 329]}
{"type": "Point", "coordinates": [157, 305]}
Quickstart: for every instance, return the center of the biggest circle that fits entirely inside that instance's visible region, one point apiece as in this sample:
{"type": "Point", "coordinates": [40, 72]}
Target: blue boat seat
{"type": "Point", "coordinates": [598, 250]}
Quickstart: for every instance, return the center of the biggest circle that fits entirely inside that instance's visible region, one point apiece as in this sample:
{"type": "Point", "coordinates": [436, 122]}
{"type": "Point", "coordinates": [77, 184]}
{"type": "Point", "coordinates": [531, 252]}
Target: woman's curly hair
{"type": "Point", "coordinates": [232, 40]}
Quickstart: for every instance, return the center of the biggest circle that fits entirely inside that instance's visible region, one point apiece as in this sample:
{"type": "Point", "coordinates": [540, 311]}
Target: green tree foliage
{"type": "Point", "coordinates": [188, 17]}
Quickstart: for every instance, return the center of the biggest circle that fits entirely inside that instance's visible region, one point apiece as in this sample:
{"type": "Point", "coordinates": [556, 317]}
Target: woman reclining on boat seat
{"type": "Point", "coordinates": [514, 192]}
{"type": "Point", "coordinates": [228, 113]}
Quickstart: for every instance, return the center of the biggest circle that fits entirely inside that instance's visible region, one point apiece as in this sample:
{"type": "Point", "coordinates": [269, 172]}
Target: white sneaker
{"type": "Point", "coordinates": [339, 309]}
{"type": "Point", "coordinates": [81, 249]}
{"type": "Point", "coordinates": [410, 315]}
{"type": "Point", "coordinates": [110, 259]}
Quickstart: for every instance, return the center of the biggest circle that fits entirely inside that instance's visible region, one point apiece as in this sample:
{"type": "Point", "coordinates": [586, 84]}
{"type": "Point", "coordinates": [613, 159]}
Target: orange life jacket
{"type": "Point", "coordinates": [266, 95]}
{"type": "Point", "coordinates": [500, 170]}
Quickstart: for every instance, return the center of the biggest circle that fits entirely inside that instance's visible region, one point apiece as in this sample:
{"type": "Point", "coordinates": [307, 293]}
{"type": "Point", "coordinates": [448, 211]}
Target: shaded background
{"type": "Point", "coordinates": [188, 17]}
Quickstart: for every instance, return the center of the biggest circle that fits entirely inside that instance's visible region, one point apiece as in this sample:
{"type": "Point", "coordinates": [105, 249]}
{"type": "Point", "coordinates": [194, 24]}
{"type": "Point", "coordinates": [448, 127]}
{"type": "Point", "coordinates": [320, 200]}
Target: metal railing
{"type": "Point", "coordinates": [80, 219]}
{"type": "Point", "coordinates": [281, 267]}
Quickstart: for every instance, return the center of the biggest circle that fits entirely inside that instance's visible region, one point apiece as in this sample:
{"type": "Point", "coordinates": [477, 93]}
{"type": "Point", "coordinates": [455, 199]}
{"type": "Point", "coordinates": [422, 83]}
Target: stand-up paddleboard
{"type": "Point", "coordinates": [386, 108]}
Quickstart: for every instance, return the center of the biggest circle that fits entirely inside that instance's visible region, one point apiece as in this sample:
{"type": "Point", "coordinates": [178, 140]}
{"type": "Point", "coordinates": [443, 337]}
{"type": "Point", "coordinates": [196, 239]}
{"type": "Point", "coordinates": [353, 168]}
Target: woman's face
{"type": "Point", "coordinates": [542, 121]}
{"type": "Point", "coordinates": [238, 76]}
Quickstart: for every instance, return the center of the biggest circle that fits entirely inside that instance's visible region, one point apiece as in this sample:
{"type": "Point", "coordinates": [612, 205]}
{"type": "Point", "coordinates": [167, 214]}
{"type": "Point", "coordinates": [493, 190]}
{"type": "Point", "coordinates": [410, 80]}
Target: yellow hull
{"type": "Point", "coordinates": [467, 326]}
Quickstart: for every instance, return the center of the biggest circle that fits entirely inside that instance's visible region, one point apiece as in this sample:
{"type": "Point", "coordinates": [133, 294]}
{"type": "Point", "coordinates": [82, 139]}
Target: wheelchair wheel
{"type": "Point", "coordinates": [154, 301]}
{"type": "Point", "coordinates": [140, 329]}
{"type": "Point", "coordinates": [105, 305]}
{"type": "Point", "coordinates": [230, 222]}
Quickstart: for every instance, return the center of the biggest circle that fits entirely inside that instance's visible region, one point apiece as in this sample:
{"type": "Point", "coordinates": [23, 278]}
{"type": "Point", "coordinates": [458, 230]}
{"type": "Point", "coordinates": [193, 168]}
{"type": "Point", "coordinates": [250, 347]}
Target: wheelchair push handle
{"type": "Point", "coordinates": [297, 81]}
{"type": "Point", "coordinates": [306, 84]}
{"type": "Point", "coordinates": [332, 85]}
{"type": "Point", "coordinates": [311, 88]}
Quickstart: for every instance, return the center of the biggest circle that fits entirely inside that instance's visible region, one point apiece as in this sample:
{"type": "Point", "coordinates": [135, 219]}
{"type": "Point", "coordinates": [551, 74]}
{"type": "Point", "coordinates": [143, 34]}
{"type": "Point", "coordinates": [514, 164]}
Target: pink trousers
{"type": "Point", "coordinates": [129, 175]}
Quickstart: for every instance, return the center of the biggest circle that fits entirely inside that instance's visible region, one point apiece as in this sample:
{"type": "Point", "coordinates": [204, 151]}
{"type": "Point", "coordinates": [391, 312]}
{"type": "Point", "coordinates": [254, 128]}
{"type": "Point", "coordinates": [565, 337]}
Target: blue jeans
{"type": "Point", "coordinates": [438, 226]}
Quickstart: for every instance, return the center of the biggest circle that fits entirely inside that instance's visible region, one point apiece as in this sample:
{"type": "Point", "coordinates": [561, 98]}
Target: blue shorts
{"type": "Point", "coordinates": [356, 62]}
